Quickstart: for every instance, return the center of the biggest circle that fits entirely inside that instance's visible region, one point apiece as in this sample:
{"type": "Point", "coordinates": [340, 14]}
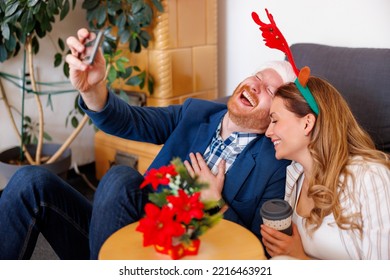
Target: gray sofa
{"type": "Point", "coordinates": [362, 76]}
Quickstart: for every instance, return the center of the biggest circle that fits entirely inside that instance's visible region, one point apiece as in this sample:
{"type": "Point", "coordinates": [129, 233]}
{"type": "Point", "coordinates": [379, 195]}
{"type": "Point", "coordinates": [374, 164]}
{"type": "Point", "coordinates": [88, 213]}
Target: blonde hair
{"type": "Point", "coordinates": [336, 139]}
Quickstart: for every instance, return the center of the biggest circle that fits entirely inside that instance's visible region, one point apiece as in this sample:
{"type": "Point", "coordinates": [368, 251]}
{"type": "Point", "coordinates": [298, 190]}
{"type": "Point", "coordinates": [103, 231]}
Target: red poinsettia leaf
{"type": "Point", "coordinates": [186, 207]}
{"type": "Point", "coordinates": [159, 226]}
{"type": "Point", "coordinates": [161, 176]}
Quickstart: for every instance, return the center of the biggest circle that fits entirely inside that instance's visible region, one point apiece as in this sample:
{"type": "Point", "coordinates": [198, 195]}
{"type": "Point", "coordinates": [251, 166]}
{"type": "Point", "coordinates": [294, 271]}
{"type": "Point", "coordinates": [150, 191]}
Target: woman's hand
{"type": "Point", "coordinates": [198, 167]}
{"type": "Point", "coordinates": [278, 243]}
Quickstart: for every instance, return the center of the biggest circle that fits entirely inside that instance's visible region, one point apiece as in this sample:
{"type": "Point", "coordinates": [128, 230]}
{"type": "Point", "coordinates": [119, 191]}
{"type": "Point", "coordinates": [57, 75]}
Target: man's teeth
{"type": "Point", "coordinates": [250, 99]}
{"type": "Point", "coordinates": [276, 142]}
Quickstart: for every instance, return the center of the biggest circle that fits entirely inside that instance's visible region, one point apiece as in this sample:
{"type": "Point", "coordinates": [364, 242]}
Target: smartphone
{"type": "Point", "coordinates": [90, 57]}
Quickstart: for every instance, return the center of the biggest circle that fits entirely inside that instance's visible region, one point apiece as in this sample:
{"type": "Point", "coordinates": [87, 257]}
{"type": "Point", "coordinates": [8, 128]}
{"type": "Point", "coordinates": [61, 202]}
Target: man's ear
{"type": "Point", "coordinates": [309, 120]}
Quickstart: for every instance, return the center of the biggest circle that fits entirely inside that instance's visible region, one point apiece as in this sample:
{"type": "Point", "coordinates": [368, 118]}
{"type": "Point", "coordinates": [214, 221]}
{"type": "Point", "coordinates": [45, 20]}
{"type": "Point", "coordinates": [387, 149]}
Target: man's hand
{"type": "Point", "coordinates": [198, 167]}
{"type": "Point", "coordinates": [88, 79]}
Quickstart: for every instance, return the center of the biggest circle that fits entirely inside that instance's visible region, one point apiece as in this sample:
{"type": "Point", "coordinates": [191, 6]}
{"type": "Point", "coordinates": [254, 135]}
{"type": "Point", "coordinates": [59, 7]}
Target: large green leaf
{"type": "Point", "coordinates": [11, 8]}
{"type": "Point", "coordinates": [57, 59]}
{"type": "Point", "coordinates": [11, 43]}
{"type": "Point", "coordinates": [65, 10]}
{"type": "Point", "coordinates": [114, 7]}
{"type": "Point", "coordinates": [61, 44]}
{"type": "Point", "coordinates": [14, 18]}
{"type": "Point", "coordinates": [90, 4]}
{"type": "Point", "coordinates": [27, 21]}
{"type": "Point", "coordinates": [131, 19]}
{"type": "Point", "coordinates": [112, 74]}
{"type": "Point", "coordinates": [121, 21]}
{"type": "Point", "coordinates": [137, 7]}
{"type": "Point", "coordinates": [101, 15]}
{"type": "Point", "coordinates": [127, 73]}
{"type": "Point", "coordinates": [120, 66]}
{"type": "Point", "coordinates": [66, 69]}
{"type": "Point", "coordinates": [5, 31]}
{"type": "Point", "coordinates": [35, 45]}
{"type": "Point", "coordinates": [134, 81]}
{"type": "Point", "coordinates": [150, 85]}
{"type": "Point", "coordinates": [3, 53]}
{"type": "Point", "coordinates": [124, 35]}
{"type": "Point", "coordinates": [47, 136]}
{"type": "Point", "coordinates": [75, 122]}
{"type": "Point", "coordinates": [32, 3]}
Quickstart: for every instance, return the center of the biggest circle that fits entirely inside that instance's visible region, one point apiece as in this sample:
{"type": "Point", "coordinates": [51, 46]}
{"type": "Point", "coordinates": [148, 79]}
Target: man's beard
{"type": "Point", "coordinates": [257, 119]}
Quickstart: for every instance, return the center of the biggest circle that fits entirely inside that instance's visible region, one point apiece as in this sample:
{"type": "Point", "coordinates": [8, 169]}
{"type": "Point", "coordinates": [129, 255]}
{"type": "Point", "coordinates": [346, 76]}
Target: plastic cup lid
{"type": "Point", "coordinates": [276, 209]}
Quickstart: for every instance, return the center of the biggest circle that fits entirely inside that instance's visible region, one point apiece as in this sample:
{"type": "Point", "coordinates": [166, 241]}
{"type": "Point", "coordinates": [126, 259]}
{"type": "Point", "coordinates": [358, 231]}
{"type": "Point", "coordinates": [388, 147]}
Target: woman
{"type": "Point", "coordinates": [338, 183]}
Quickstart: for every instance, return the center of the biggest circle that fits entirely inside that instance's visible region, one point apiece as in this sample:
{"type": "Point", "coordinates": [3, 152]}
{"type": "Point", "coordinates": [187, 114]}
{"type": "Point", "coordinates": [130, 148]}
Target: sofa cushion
{"type": "Point", "coordinates": [361, 75]}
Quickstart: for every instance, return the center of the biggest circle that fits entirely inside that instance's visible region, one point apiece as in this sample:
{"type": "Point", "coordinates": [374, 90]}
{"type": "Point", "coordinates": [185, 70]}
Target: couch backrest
{"type": "Point", "coordinates": [361, 75]}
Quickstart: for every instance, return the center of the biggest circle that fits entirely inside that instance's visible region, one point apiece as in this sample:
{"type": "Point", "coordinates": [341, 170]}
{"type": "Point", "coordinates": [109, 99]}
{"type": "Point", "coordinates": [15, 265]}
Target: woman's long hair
{"type": "Point", "coordinates": [336, 138]}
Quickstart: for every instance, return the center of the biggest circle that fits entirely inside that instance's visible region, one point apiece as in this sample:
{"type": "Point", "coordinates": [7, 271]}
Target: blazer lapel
{"type": "Point", "coordinates": [236, 176]}
{"type": "Point", "coordinates": [205, 133]}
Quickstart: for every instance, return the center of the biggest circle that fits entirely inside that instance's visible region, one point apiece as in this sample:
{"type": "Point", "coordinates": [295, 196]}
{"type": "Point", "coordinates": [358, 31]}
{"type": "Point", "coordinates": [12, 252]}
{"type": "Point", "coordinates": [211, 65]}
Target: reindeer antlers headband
{"type": "Point", "coordinates": [274, 39]}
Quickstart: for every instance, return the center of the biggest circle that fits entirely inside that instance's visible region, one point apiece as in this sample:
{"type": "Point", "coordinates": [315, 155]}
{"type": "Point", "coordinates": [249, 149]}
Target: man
{"type": "Point", "coordinates": [226, 147]}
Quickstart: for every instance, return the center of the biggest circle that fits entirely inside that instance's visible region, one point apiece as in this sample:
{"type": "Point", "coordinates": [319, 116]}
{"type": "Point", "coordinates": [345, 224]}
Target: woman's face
{"type": "Point", "coordinates": [287, 132]}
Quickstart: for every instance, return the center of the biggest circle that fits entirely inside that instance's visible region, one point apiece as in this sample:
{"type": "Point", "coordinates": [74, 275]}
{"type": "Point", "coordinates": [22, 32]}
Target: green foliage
{"type": "Point", "coordinates": [125, 22]}
{"type": "Point", "coordinates": [186, 182]}
{"type": "Point", "coordinates": [30, 132]}
{"type": "Point", "coordinates": [191, 186]}
{"type": "Point", "coordinates": [23, 21]}
{"type": "Point", "coordinates": [32, 19]}
{"type": "Point", "coordinates": [28, 19]}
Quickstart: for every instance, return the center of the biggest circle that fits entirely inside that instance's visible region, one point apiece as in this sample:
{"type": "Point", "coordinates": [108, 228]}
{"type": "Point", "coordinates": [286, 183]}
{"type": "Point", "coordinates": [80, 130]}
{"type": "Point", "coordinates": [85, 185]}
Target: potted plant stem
{"type": "Point", "coordinates": [24, 22]}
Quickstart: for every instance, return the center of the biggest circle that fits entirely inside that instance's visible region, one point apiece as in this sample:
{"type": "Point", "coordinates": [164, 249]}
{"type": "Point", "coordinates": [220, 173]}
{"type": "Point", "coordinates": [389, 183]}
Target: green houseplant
{"type": "Point", "coordinates": [125, 23]}
{"type": "Point", "coordinates": [23, 23]}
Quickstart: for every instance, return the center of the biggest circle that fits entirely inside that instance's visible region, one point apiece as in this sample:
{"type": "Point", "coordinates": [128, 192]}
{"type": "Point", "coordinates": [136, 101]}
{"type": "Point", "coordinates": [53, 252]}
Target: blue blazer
{"type": "Point", "coordinates": [255, 176]}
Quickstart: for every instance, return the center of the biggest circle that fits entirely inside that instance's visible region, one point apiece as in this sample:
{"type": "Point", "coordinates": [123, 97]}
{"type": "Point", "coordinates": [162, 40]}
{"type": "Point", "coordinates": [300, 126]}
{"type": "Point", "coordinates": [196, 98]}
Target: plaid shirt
{"type": "Point", "coordinates": [227, 150]}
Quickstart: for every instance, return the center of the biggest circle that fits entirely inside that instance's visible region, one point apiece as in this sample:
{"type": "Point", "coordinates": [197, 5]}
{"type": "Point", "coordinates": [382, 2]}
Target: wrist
{"type": "Point", "coordinates": [220, 207]}
{"type": "Point", "coordinates": [96, 98]}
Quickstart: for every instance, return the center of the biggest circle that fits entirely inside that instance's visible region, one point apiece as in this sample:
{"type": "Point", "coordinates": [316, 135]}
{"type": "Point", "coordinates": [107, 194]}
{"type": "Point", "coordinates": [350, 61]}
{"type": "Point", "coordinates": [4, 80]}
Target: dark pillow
{"type": "Point", "coordinates": [362, 75]}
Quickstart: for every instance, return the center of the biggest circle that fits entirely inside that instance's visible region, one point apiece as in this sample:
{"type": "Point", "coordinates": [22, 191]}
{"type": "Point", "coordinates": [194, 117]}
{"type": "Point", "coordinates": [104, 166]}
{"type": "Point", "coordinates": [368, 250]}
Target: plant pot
{"type": "Point", "coordinates": [59, 167]}
{"type": "Point", "coordinates": [180, 250]}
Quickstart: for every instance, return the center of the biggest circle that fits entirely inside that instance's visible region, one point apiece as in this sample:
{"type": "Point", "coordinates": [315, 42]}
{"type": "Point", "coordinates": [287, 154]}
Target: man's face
{"type": "Point", "coordinates": [251, 101]}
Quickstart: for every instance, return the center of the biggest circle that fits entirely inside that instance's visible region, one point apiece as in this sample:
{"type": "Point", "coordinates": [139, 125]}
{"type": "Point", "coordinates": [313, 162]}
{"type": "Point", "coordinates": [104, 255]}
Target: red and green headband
{"type": "Point", "coordinates": [274, 39]}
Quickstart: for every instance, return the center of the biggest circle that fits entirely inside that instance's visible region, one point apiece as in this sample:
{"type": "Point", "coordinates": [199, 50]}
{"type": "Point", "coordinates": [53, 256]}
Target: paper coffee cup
{"type": "Point", "coordinates": [276, 213]}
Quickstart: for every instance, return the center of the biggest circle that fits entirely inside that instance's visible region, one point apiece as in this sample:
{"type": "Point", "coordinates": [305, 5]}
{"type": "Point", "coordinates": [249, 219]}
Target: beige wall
{"type": "Point", "coordinates": [183, 55]}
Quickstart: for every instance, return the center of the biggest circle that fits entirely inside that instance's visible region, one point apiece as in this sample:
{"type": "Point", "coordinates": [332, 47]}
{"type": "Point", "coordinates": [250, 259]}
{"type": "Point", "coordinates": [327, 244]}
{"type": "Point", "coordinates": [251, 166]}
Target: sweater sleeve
{"type": "Point", "coordinates": [147, 124]}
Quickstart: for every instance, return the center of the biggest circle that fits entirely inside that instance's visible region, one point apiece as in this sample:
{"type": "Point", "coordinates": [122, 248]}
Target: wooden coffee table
{"type": "Point", "coordinates": [225, 241]}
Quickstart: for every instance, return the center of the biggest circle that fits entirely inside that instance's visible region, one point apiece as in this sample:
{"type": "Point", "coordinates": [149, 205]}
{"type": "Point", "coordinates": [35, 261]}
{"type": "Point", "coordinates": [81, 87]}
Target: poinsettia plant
{"type": "Point", "coordinates": [176, 215]}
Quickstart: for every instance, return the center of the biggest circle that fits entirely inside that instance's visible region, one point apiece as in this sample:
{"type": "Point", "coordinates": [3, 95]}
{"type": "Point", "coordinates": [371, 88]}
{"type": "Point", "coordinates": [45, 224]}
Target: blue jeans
{"type": "Point", "coordinates": [35, 200]}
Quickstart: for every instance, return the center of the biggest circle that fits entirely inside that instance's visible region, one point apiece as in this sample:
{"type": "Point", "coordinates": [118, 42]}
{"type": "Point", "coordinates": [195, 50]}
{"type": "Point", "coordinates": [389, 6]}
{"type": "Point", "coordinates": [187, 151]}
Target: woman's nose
{"type": "Point", "coordinates": [269, 131]}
